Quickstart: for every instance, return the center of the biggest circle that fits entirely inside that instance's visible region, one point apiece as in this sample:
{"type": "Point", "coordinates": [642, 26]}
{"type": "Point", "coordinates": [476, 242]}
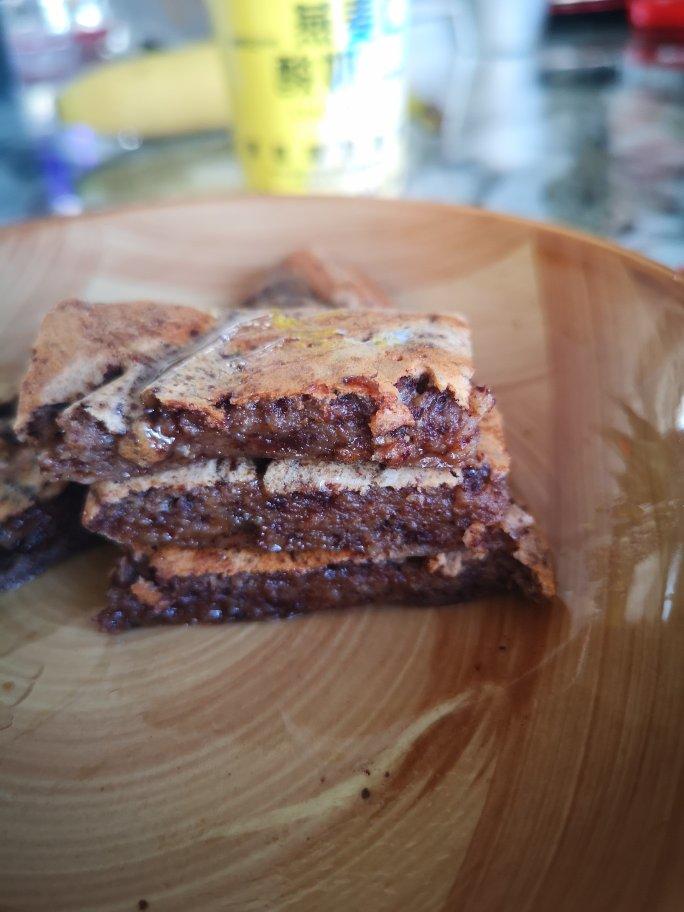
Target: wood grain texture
{"type": "Point", "coordinates": [514, 758]}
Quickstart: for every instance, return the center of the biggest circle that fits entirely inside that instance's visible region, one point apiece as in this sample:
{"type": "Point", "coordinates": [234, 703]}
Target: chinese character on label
{"type": "Point", "coordinates": [360, 16]}
{"type": "Point", "coordinates": [294, 74]}
{"type": "Point", "coordinates": [339, 68]}
{"type": "Point", "coordinates": [313, 22]}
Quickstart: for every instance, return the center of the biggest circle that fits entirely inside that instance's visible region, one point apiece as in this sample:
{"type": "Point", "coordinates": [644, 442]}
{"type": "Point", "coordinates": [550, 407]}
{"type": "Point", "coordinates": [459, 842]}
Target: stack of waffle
{"type": "Point", "coordinates": [316, 449]}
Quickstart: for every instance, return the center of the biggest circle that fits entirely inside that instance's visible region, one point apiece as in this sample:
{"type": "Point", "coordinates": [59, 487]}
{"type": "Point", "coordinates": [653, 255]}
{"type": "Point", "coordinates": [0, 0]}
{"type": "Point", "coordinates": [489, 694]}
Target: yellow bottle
{"type": "Point", "coordinates": [318, 92]}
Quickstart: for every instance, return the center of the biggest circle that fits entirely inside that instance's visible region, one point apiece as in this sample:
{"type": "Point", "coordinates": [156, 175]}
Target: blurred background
{"type": "Point", "coordinates": [566, 111]}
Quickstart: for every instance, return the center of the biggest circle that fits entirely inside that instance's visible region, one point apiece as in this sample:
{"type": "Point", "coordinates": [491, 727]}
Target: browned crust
{"type": "Point", "coordinates": [311, 276]}
{"type": "Point", "coordinates": [389, 386]}
{"type": "Point", "coordinates": [80, 346]}
{"type": "Point", "coordinates": [106, 394]}
{"type": "Point", "coordinates": [211, 406]}
{"type": "Point", "coordinates": [322, 354]}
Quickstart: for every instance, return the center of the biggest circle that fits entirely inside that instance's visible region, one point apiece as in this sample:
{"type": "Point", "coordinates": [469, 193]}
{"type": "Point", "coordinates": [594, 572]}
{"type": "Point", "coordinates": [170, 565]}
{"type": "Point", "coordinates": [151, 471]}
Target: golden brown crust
{"type": "Point", "coordinates": [491, 450]}
{"type": "Point", "coordinates": [197, 474]}
{"type": "Point", "coordinates": [531, 548]}
{"type": "Point", "coordinates": [338, 285]}
{"type": "Point", "coordinates": [323, 354]}
{"type": "Point", "coordinates": [311, 278]}
{"type": "Point", "coordinates": [173, 561]}
{"type": "Point", "coordinates": [80, 345]}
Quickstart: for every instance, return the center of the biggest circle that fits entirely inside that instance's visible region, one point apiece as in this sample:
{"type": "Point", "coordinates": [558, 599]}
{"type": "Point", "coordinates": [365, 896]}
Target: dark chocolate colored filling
{"type": "Point", "coordinates": [45, 533]}
{"type": "Point", "coordinates": [43, 426]}
{"type": "Point", "coordinates": [288, 292]}
{"type": "Point", "coordinates": [334, 429]}
{"type": "Point", "coordinates": [213, 599]}
{"type": "Point", "coordinates": [444, 434]}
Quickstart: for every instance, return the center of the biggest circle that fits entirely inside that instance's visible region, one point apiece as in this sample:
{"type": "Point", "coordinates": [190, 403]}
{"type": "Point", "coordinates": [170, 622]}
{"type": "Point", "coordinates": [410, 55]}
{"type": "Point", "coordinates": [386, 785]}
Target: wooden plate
{"type": "Point", "coordinates": [494, 756]}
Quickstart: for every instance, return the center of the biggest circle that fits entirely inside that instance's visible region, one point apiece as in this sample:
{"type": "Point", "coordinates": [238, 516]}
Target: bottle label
{"type": "Point", "coordinates": [318, 90]}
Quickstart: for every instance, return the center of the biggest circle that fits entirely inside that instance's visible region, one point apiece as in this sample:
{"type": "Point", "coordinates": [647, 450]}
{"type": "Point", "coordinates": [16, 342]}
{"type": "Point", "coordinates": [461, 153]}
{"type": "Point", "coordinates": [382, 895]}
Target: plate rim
{"type": "Point", "coordinates": [58, 221]}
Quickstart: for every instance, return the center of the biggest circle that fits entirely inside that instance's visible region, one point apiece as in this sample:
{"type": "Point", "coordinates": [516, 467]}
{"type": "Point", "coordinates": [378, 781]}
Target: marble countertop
{"type": "Point", "coordinates": [585, 133]}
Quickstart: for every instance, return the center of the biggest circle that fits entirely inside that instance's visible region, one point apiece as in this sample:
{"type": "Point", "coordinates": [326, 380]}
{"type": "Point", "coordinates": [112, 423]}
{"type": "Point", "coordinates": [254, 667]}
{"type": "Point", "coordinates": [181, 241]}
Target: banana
{"type": "Point", "coordinates": [160, 93]}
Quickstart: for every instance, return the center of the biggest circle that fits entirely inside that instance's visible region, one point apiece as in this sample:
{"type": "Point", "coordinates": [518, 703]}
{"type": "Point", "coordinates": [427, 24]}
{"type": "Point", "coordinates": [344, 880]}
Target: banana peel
{"type": "Point", "coordinates": [160, 93]}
